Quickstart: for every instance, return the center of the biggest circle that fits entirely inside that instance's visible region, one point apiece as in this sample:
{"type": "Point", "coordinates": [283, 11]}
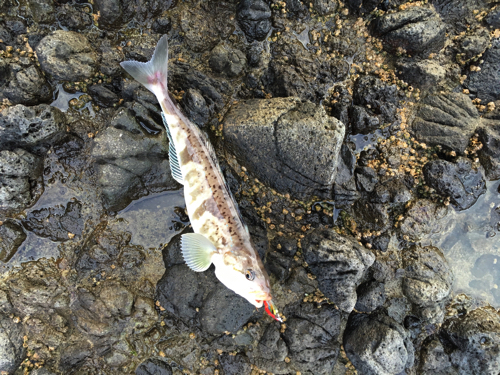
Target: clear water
{"type": "Point", "coordinates": [470, 240]}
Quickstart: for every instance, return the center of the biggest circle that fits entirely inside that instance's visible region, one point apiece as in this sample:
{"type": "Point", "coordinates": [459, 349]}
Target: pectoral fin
{"type": "Point", "coordinates": [197, 251]}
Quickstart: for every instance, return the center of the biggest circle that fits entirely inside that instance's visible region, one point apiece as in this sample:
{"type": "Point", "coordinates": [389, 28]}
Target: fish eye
{"type": "Point", "coordinates": [250, 274]}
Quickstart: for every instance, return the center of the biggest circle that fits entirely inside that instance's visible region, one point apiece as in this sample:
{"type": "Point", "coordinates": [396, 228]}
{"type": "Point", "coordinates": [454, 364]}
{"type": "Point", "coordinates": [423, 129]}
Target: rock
{"type": "Point", "coordinates": [428, 280]}
{"type": "Point", "coordinates": [485, 84]}
{"type": "Point", "coordinates": [254, 18]}
{"type": "Point", "coordinates": [227, 60]}
{"type": "Point", "coordinates": [42, 371]}
{"type": "Point", "coordinates": [236, 313]}
{"type": "Point", "coordinates": [493, 17]}
{"type": "Point", "coordinates": [42, 11]}
{"type": "Point", "coordinates": [33, 128]}
{"type": "Point", "coordinates": [286, 81]}
{"type": "Point", "coordinates": [390, 190]}
{"type": "Point", "coordinates": [473, 340]}
{"type": "Point", "coordinates": [56, 223]}
{"type": "Point", "coordinates": [117, 298]}
{"type": "Point", "coordinates": [458, 180]}
{"type": "Point", "coordinates": [423, 217]}
{"type": "Point", "coordinates": [424, 74]}
{"type": "Point", "coordinates": [73, 18]}
{"type": "Point", "coordinates": [325, 7]}
{"type": "Point", "coordinates": [371, 295]}
{"type": "Point", "coordinates": [11, 237]}
{"type": "Point", "coordinates": [20, 174]}
{"type": "Point", "coordinates": [489, 155]}
{"type": "Point", "coordinates": [235, 364]}
{"type": "Point", "coordinates": [368, 215]}
{"type": "Point", "coordinates": [29, 87]}
{"type": "Point", "coordinates": [416, 30]}
{"type": "Point", "coordinates": [344, 189]}
{"type": "Point", "coordinates": [103, 96]}
{"type": "Point", "coordinates": [377, 344]}
{"type": "Point", "coordinates": [153, 366]}
{"type": "Point", "coordinates": [366, 179]}
{"type": "Point", "coordinates": [339, 264]}
{"type": "Point", "coordinates": [474, 45]}
{"type": "Point", "coordinates": [312, 337]}
{"type": "Point", "coordinates": [202, 29]}
{"type": "Point", "coordinates": [12, 352]}
{"type": "Point", "coordinates": [111, 13]}
{"type": "Point", "coordinates": [195, 107]}
{"type": "Point", "coordinates": [66, 56]}
{"type": "Point", "coordinates": [448, 120]}
{"type": "Point", "coordinates": [274, 137]}
{"type": "Point", "coordinates": [433, 357]}
{"type": "Point", "coordinates": [129, 162]}
{"type": "Point", "coordinates": [110, 60]}
{"type": "Point", "coordinates": [271, 351]}
{"type": "Point", "coordinates": [162, 25]}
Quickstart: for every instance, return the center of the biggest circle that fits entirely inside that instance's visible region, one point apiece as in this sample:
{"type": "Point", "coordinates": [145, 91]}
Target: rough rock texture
{"type": "Point", "coordinates": [20, 174]}
{"type": "Point", "coordinates": [371, 295]}
{"type": "Point", "coordinates": [423, 217]}
{"type": "Point", "coordinates": [312, 337]}
{"type": "Point", "coordinates": [485, 83]}
{"type": "Point", "coordinates": [344, 189]}
{"type": "Point", "coordinates": [11, 237]}
{"type": "Point", "coordinates": [103, 96]}
{"type": "Point", "coordinates": [11, 342]}
{"type": "Point", "coordinates": [415, 30]}
{"type": "Point", "coordinates": [489, 136]}
{"type": "Point", "coordinates": [130, 163]}
{"type": "Point", "coordinates": [273, 137]}
{"type": "Point", "coordinates": [339, 264]}
{"type": "Point", "coordinates": [254, 18]}
{"type": "Point", "coordinates": [377, 344]}
{"type": "Point", "coordinates": [153, 366]}
{"type": "Point", "coordinates": [448, 120]}
{"type": "Point", "coordinates": [459, 181]}
{"type": "Point", "coordinates": [66, 55]}
{"type": "Point", "coordinates": [35, 129]}
{"type": "Point", "coordinates": [428, 280]}
{"type": "Point", "coordinates": [424, 74]}
{"type": "Point", "coordinates": [28, 86]}
{"type": "Point", "coordinates": [226, 60]}
{"type": "Point", "coordinates": [474, 341]}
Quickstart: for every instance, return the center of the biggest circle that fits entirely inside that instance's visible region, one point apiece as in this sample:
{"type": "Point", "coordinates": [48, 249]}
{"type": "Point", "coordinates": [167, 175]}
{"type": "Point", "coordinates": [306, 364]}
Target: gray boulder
{"type": "Point", "coordinates": [486, 82]}
{"type": "Point", "coordinates": [227, 60]}
{"type": "Point", "coordinates": [12, 352]}
{"type": "Point", "coordinates": [489, 136]}
{"type": "Point", "coordinates": [339, 264]}
{"type": "Point", "coordinates": [448, 120]}
{"type": "Point", "coordinates": [289, 145]}
{"type": "Point", "coordinates": [20, 174]}
{"type": "Point", "coordinates": [423, 217]}
{"type": "Point", "coordinates": [377, 345]}
{"type": "Point", "coordinates": [28, 86]}
{"type": "Point", "coordinates": [67, 56]}
{"type": "Point", "coordinates": [254, 18]}
{"type": "Point", "coordinates": [459, 181]}
{"type": "Point", "coordinates": [11, 237]}
{"type": "Point", "coordinates": [415, 29]}
{"type": "Point", "coordinates": [35, 129]}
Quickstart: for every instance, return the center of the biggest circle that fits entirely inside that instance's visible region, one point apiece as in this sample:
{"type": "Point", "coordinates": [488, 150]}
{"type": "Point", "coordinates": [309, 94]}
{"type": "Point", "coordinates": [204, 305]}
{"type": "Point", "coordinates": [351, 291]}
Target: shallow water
{"type": "Point", "coordinates": [470, 240]}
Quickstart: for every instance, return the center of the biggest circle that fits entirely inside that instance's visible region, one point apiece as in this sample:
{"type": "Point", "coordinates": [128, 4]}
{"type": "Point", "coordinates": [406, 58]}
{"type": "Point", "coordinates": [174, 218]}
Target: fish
{"type": "Point", "coordinates": [220, 236]}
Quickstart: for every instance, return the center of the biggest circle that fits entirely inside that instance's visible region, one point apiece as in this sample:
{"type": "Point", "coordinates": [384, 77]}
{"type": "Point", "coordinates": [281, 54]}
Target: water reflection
{"type": "Point", "coordinates": [471, 243]}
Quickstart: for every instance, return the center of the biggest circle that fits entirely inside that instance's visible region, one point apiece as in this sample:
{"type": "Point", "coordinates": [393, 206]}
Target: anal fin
{"type": "Point", "coordinates": [175, 167]}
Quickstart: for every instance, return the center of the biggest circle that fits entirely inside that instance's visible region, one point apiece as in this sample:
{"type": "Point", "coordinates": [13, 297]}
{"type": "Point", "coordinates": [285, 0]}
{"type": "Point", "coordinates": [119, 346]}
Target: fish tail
{"type": "Point", "coordinates": [152, 74]}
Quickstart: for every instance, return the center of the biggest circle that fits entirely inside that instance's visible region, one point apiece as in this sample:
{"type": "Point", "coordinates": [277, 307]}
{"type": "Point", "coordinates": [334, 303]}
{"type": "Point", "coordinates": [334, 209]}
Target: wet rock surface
{"type": "Point", "coordinates": [279, 128]}
{"type": "Point", "coordinates": [345, 132]}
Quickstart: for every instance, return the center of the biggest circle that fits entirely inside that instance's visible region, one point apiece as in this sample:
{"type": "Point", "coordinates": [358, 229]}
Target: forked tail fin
{"type": "Point", "coordinates": [152, 74]}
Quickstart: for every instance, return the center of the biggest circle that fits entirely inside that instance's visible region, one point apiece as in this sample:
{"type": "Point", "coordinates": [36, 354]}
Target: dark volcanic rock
{"type": "Point", "coordinates": [110, 60]}
{"type": "Point", "coordinates": [423, 217]}
{"type": "Point", "coordinates": [325, 7]}
{"type": "Point", "coordinates": [474, 341]}
{"type": "Point", "coordinates": [486, 83]}
{"type": "Point", "coordinates": [415, 30]}
{"type": "Point", "coordinates": [428, 280]}
{"type": "Point", "coordinates": [195, 107]}
{"type": "Point", "coordinates": [162, 25]}
{"type": "Point", "coordinates": [475, 44]}
{"type": "Point", "coordinates": [227, 60]}
{"type": "Point", "coordinates": [74, 18]}
{"type": "Point", "coordinates": [130, 163]}
{"type": "Point", "coordinates": [433, 357]}
{"type": "Point", "coordinates": [371, 295]}
{"type": "Point", "coordinates": [339, 264]}
{"type": "Point", "coordinates": [42, 10]}
{"type": "Point", "coordinates": [12, 352]}
{"type": "Point", "coordinates": [458, 180]}
{"type": "Point", "coordinates": [56, 223]}
{"type": "Point", "coordinates": [20, 174]}
{"type": "Point", "coordinates": [377, 344]}
{"type": "Point", "coordinates": [493, 17]}
{"type": "Point", "coordinates": [11, 237]}
{"type": "Point", "coordinates": [448, 120]}
{"type": "Point", "coordinates": [33, 128]}
{"type": "Point", "coordinates": [115, 13]}
{"type": "Point", "coordinates": [103, 96]}
{"type": "Point", "coordinates": [489, 155]}
{"type": "Point", "coordinates": [275, 138]}
{"type": "Point", "coordinates": [153, 366]}
{"type": "Point", "coordinates": [235, 364]}
{"type": "Point", "coordinates": [344, 189]}
{"type": "Point", "coordinates": [424, 74]}
{"type": "Point", "coordinates": [66, 55]}
{"type": "Point", "coordinates": [312, 337]}
{"type": "Point", "coordinates": [254, 18]}
{"type": "Point", "coordinates": [29, 87]}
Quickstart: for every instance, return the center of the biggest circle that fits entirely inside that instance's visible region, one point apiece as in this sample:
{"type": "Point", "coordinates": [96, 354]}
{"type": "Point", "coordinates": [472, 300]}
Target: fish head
{"type": "Point", "coordinates": [245, 274]}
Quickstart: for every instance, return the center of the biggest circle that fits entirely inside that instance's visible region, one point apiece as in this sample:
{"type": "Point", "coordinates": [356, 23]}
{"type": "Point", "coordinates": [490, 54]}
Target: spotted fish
{"type": "Point", "coordinates": [220, 236]}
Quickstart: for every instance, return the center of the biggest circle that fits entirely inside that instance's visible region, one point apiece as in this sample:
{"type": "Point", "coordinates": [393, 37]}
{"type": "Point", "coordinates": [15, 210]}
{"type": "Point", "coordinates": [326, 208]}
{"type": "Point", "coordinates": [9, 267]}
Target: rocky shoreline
{"type": "Point", "coordinates": [358, 139]}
